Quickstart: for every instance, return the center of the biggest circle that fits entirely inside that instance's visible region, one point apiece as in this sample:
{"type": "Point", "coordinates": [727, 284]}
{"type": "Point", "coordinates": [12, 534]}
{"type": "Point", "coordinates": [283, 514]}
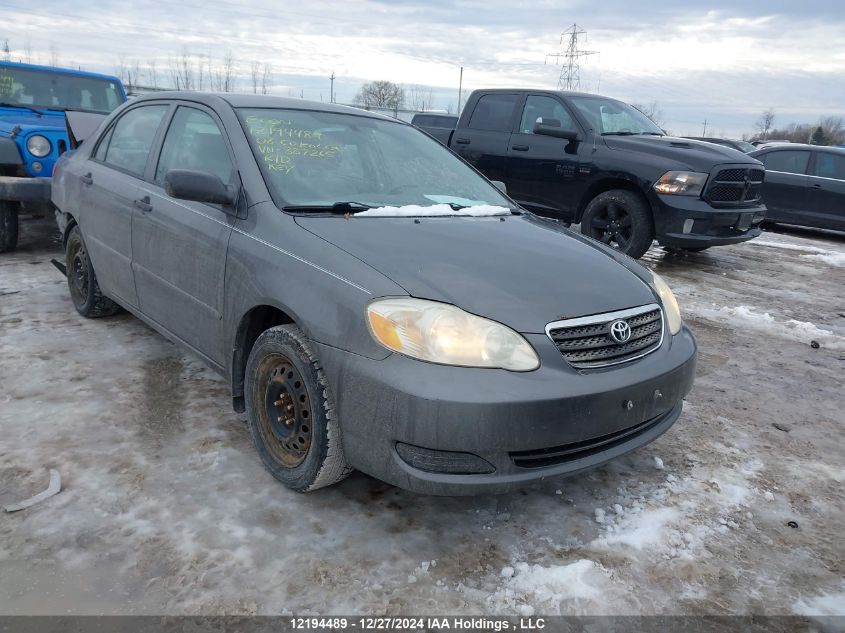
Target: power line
{"type": "Point", "coordinates": [570, 77]}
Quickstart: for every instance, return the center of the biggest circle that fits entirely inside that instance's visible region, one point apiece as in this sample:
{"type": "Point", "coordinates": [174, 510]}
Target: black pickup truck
{"type": "Point", "coordinates": [585, 158]}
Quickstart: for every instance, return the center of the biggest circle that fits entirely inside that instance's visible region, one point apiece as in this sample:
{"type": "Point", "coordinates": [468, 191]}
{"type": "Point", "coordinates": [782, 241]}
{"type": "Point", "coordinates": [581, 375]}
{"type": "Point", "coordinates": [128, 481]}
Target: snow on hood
{"type": "Point", "coordinates": [415, 210]}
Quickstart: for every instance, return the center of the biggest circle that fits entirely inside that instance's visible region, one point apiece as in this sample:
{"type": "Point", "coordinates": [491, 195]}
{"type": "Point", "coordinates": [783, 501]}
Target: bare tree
{"type": "Point", "coordinates": [7, 52]}
{"type": "Point", "coordinates": [652, 111]}
{"type": "Point", "coordinates": [254, 72]}
{"type": "Point", "coordinates": [764, 123]}
{"type": "Point", "coordinates": [54, 55]}
{"type": "Point", "coordinates": [27, 51]}
{"type": "Point", "coordinates": [152, 74]}
{"type": "Point", "coordinates": [420, 98]}
{"type": "Point", "coordinates": [182, 72]}
{"type": "Point", "coordinates": [833, 129]}
{"type": "Point", "coordinates": [381, 94]}
{"type": "Point", "coordinates": [265, 79]}
{"type": "Point", "coordinates": [224, 74]}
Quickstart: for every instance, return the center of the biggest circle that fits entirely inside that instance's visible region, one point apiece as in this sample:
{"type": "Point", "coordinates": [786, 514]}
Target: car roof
{"type": "Point", "coordinates": [56, 69]}
{"type": "Point", "coordinates": [540, 91]}
{"type": "Point", "coordinates": [236, 100]}
{"type": "Point", "coordinates": [802, 146]}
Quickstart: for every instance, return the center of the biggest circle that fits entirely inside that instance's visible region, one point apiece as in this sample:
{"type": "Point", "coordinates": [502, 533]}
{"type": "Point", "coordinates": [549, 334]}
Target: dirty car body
{"type": "Point", "coordinates": [450, 355]}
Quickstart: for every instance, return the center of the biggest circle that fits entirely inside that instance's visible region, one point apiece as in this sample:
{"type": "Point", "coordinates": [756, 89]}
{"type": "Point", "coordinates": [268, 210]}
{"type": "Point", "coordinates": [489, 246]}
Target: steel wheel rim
{"type": "Point", "coordinates": [77, 272]}
{"type": "Point", "coordinates": [285, 419]}
{"type": "Point", "coordinates": [613, 226]}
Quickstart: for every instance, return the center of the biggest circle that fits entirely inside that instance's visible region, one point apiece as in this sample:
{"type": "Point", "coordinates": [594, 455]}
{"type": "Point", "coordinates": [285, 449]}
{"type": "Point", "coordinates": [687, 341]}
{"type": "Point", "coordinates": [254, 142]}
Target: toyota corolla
{"type": "Point", "coordinates": [373, 301]}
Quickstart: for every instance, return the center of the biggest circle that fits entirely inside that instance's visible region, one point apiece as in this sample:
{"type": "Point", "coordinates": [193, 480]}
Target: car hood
{"type": "Point", "coordinates": [520, 270]}
{"type": "Point", "coordinates": [27, 121]}
{"type": "Point", "coordinates": [692, 155]}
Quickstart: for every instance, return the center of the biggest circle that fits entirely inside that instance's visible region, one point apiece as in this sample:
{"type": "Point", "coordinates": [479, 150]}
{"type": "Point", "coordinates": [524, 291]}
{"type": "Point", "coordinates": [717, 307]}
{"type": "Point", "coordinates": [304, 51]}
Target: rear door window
{"type": "Point", "coordinates": [494, 112]}
{"type": "Point", "coordinates": [194, 141]}
{"type": "Point", "coordinates": [133, 135]}
{"type": "Point", "coordinates": [788, 161]}
{"type": "Point", "coordinates": [830, 165]}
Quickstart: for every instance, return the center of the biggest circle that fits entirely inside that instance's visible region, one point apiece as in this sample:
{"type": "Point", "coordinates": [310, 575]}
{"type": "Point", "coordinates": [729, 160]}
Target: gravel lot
{"type": "Point", "coordinates": [167, 510]}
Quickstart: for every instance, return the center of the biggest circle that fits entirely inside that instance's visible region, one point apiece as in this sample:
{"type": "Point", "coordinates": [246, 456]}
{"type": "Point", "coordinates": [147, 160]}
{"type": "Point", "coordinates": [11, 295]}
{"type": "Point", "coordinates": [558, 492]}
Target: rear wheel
{"type": "Point", "coordinates": [85, 292]}
{"type": "Point", "coordinates": [621, 220]}
{"type": "Point", "coordinates": [290, 412]}
{"type": "Point", "coordinates": [8, 225]}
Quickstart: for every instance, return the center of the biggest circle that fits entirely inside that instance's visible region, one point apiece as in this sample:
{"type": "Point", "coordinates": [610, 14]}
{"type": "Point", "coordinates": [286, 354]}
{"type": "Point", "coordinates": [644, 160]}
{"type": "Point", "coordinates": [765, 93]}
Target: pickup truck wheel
{"type": "Point", "coordinates": [8, 226]}
{"type": "Point", "coordinates": [620, 219]}
{"type": "Point", "coordinates": [85, 292]}
{"type": "Point", "coordinates": [290, 412]}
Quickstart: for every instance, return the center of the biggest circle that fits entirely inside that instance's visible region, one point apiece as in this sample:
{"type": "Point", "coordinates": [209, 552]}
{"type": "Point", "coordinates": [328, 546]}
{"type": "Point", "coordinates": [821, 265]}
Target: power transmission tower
{"type": "Point", "coordinates": [570, 78]}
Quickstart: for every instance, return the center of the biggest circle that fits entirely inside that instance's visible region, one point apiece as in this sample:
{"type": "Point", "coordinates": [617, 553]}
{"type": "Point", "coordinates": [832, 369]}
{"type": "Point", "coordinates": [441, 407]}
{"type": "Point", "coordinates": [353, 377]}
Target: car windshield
{"type": "Point", "coordinates": [44, 90]}
{"type": "Point", "coordinates": [319, 159]}
{"type": "Point", "coordinates": [611, 117]}
{"type": "Point", "coordinates": [745, 146]}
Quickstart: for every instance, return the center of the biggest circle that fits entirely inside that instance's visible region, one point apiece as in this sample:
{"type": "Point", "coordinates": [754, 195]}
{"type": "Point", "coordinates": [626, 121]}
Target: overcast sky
{"type": "Point", "coordinates": [723, 61]}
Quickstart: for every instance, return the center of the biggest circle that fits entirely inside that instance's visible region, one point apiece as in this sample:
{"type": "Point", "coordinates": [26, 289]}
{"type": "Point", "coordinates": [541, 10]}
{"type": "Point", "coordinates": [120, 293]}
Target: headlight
{"type": "Point", "coordinates": [670, 304]}
{"type": "Point", "coordinates": [681, 183]}
{"type": "Point", "coordinates": [442, 333]}
{"type": "Point", "coordinates": [38, 145]}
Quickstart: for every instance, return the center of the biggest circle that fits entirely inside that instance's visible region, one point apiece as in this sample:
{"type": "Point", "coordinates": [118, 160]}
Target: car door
{"type": "Point", "coordinates": [110, 179]}
{"type": "Point", "coordinates": [785, 186]}
{"type": "Point", "coordinates": [483, 142]}
{"type": "Point", "coordinates": [827, 190]}
{"type": "Point", "coordinates": [179, 246]}
{"type": "Point", "coordinates": [542, 171]}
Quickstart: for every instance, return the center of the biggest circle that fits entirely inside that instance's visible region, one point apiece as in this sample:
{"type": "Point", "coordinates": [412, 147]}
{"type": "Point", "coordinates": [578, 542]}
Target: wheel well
{"type": "Point", "coordinates": [607, 185]}
{"type": "Point", "coordinates": [71, 222]}
{"type": "Point", "coordinates": [253, 323]}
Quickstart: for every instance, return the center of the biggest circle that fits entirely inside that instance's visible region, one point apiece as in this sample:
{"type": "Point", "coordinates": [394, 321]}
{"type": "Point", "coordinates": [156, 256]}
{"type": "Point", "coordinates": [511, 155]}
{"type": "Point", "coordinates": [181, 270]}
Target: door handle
{"type": "Point", "coordinates": [520, 148]}
{"type": "Point", "coordinates": [462, 141]}
{"type": "Point", "coordinates": [144, 204]}
{"type": "Point", "coordinates": [815, 185]}
{"type": "Point", "coordinates": [87, 179]}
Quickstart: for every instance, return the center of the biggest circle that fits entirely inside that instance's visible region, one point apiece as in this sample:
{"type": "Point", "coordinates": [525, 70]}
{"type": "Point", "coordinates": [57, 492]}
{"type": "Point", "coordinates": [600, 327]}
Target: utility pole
{"type": "Point", "coordinates": [460, 88]}
{"type": "Point", "coordinates": [570, 78]}
{"type": "Point", "coordinates": [704, 133]}
{"type": "Point", "coordinates": [331, 92]}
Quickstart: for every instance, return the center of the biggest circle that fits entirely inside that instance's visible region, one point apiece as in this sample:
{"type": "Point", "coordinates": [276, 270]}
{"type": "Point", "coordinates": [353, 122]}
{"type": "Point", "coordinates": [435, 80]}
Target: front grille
{"type": "Point", "coordinates": [555, 455]}
{"type": "Point", "coordinates": [587, 342]}
{"type": "Point", "coordinates": [735, 186]}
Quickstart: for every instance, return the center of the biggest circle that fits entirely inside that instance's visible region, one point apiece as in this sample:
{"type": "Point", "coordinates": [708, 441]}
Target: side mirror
{"type": "Point", "coordinates": [544, 128]}
{"type": "Point", "coordinates": [500, 186]}
{"type": "Point", "coordinates": [200, 186]}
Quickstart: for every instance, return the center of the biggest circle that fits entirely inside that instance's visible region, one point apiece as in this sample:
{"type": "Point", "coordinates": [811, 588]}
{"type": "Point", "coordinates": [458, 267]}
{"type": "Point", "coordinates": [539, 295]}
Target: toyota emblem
{"type": "Point", "coordinates": [620, 331]}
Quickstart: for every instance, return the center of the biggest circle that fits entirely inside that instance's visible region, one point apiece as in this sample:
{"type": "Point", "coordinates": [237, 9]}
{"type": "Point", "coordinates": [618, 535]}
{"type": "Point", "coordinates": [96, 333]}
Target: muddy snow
{"type": "Point", "coordinates": [165, 508]}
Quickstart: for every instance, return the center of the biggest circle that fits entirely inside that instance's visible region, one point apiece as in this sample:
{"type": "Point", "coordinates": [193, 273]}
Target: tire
{"type": "Point", "coordinates": [620, 219]}
{"type": "Point", "coordinates": [8, 226]}
{"type": "Point", "coordinates": [85, 292]}
{"type": "Point", "coordinates": [290, 412]}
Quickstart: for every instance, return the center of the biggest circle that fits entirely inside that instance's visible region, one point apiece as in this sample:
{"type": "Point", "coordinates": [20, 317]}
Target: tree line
{"type": "Point", "coordinates": [829, 130]}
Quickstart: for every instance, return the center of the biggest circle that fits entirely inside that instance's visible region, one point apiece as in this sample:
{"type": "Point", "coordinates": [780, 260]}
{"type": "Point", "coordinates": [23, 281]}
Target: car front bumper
{"type": "Point", "coordinates": [525, 426]}
{"type": "Point", "coordinates": [19, 189]}
{"type": "Point", "coordinates": [684, 221]}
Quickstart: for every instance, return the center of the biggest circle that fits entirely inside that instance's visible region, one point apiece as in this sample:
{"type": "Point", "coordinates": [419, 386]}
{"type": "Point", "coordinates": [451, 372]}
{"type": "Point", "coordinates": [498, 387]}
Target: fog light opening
{"type": "Point", "coordinates": [688, 225]}
{"type": "Point", "coordinates": [447, 462]}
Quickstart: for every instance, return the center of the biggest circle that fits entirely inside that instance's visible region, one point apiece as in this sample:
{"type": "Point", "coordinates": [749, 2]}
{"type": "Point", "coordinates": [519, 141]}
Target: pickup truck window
{"type": "Point", "coordinates": [317, 159]}
{"type": "Point", "coordinates": [132, 137]}
{"type": "Point", "coordinates": [435, 120]}
{"type": "Point", "coordinates": [608, 116]}
{"type": "Point", "coordinates": [830, 165]}
{"type": "Point", "coordinates": [494, 112]}
{"type": "Point", "coordinates": [51, 89]}
{"type": "Point", "coordinates": [537, 106]}
{"type": "Point", "coordinates": [788, 161]}
{"type": "Point", "coordinates": [194, 141]}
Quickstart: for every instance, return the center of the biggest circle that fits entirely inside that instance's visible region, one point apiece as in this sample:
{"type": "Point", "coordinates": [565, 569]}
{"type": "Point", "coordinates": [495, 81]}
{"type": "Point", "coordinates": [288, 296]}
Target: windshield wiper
{"type": "Point", "coordinates": [652, 134]}
{"type": "Point", "coordinates": [619, 133]}
{"type": "Point", "coordinates": [350, 206]}
{"type": "Point", "coordinates": [23, 106]}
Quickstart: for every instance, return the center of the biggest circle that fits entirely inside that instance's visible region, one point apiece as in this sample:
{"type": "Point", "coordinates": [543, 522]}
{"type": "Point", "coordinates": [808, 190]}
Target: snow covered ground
{"type": "Point", "coordinates": [167, 510]}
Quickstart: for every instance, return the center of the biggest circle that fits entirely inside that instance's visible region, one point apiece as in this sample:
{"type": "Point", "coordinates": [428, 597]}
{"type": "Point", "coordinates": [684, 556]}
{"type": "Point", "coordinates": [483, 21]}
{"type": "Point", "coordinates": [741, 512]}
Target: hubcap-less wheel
{"type": "Point", "coordinates": [612, 225]}
{"type": "Point", "coordinates": [285, 420]}
{"type": "Point", "coordinates": [78, 272]}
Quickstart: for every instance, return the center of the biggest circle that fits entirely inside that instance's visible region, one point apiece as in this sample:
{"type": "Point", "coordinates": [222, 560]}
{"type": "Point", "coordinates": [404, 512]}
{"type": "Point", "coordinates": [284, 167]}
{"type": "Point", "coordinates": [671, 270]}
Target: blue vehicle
{"type": "Point", "coordinates": [33, 133]}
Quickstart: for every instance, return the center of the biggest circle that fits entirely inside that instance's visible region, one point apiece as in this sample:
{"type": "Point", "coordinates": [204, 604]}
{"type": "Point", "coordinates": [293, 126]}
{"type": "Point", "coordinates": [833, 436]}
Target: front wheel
{"type": "Point", "coordinates": [85, 292]}
{"type": "Point", "coordinates": [8, 226]}
{"type": "Point", "coordinates": [620, 219]}
{"type": "Point", "coordinates": [291, 413]}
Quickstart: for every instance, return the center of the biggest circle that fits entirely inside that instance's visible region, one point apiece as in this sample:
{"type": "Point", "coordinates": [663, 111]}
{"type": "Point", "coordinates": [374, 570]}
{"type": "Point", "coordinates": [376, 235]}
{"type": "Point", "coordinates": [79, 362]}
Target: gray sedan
{"type": "Point", "coordinates": [374, 302]}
